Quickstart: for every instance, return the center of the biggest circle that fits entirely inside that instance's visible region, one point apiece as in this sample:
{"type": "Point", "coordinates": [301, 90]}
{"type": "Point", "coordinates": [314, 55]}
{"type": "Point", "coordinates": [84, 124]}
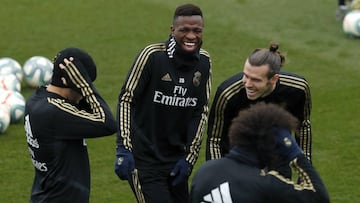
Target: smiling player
{"type": "Point", "coordinates": [260, 80]}
{"type": "Point", "coordinates": [162, 111]}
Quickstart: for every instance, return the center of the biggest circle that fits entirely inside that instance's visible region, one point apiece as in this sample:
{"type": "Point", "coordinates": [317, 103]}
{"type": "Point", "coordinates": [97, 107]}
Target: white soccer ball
{"type": "Point", "coordinates": [4, 118]}
{"type": "Point", "coordinates": [15, 101]}
{"type": "Point", "coordinates": [351, 23]}
{"type": "Point", "coordinates": [10, 82]}
{"type": "Point", "coordinates": [9, 65]}
{"type": "Point", "coordinates": [37, 71]}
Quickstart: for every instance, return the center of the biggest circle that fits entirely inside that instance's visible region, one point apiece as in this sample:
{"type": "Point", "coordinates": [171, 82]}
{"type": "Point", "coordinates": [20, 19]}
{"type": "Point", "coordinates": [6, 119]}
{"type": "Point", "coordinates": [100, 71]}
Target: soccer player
{"type": "Point", "coordinates": [58, 118]}
{"type": "Point", "coordinates": [260, 138]}
{"type": "Point", "coordinates": [162, 112]}
{"type": "Point", "coordinates": [260, 80]}
{"type": "Point", "coordinates": [342, 9]}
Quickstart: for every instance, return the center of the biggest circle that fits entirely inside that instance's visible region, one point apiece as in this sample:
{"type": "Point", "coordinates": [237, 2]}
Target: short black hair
{"type": "Point", "coordinates": [187, 10]}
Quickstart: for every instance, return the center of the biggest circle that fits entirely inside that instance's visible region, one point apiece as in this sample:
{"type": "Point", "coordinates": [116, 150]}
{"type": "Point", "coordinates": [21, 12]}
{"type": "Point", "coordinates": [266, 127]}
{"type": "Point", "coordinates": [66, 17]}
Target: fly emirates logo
{"type": "Point", "coordinates": [178, 99]}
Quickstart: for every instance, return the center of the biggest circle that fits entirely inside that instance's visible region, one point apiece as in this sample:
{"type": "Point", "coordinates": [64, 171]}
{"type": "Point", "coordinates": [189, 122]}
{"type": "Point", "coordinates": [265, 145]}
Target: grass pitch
{"type": "Point", "coordinates": [114, 31]}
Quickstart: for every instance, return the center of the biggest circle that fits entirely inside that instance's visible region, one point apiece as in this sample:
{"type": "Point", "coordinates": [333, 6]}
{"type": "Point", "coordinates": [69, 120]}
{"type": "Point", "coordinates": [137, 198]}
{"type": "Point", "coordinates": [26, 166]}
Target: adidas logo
{"type": "Point", "coordinates": [166, 77]}
{"type": "Point", "coordinates": [220, 194]}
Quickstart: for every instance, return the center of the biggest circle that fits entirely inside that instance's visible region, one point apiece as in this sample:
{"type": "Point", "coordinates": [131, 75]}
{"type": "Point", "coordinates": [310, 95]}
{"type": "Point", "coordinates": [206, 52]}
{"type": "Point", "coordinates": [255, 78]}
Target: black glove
{"type": "Point", "coordinates": [286, 146]}
{"type": "Point", "coordinates": [124, 163]}
{"type": "Point", "coordinates": [181, 172]}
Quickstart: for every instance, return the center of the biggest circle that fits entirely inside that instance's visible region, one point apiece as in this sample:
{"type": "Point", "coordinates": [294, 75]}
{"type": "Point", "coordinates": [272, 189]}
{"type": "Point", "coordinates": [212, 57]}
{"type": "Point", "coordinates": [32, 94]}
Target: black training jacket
{"type": "Point", "coordinates": [56, 130]}
{"type": "Point", "coordinates": [292, 92]}
{"type": "Point", "coordinates": [238, 179]}
{"type": "Point", "coordinates": [163, 107]}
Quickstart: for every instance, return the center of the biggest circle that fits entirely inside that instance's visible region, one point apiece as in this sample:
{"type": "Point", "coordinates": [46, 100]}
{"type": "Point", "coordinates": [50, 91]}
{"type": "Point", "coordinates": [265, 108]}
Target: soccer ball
{"type": "Point", "coordinates": [9, 65]}
{"type": "Point", "coordinates": [15, 101]}
{"type": "Point", "coordinates": [351, 23]}
{"type": "Point", "coordinates": [37, 71]}
{"type": "Point", "coordinates": [4, 118]}
{"type": "Point", "coordinates": [10, 82]}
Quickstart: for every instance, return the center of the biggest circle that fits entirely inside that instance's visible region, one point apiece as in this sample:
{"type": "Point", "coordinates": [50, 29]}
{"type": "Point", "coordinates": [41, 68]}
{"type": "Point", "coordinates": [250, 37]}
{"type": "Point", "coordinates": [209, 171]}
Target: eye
{"type": "Point", "coordinates": [183, 30]}
{"type": "Point", "coordinates": [198, 31]}
{"type": "Point", "coordinates": [187, 30]}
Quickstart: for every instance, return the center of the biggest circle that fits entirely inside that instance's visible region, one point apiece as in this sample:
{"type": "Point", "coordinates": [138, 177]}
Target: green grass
{"type": "Point", "coordinates": [114, 31]}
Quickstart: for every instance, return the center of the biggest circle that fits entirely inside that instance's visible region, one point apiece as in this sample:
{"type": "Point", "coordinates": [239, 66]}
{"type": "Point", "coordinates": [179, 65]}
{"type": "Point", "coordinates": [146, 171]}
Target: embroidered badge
{"type": "Point", "coordinates": [197, 78]}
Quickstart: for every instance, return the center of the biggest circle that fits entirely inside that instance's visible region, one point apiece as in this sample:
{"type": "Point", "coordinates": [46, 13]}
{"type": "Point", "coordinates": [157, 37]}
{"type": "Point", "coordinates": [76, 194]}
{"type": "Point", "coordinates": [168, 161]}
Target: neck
{"type": "Point", "coordinates": [245, 155]}
{"type": "Point", "coordinates": [67, 93]}
{"type": "Point", "coordinates": [58, 90]}
{"type": "Point", "coordinates": [270, 90]}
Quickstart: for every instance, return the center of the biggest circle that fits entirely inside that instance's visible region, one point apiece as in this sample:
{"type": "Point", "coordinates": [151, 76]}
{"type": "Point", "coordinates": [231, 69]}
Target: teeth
{"type": "Point", "coordinates": [250, 91]}
{"type": "Point", "coordinates": [189, 43]}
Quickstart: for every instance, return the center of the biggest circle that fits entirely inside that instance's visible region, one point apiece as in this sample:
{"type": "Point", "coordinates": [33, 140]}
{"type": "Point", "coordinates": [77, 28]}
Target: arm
{"type": "Point", "coordinates": [134, 84]}
{"type": "Point", "coordinates": [197, 126]}
{"type": "Point", "coordinates": [217, 143]}
{"type": "Point", "coordinates": [97, 120]}
{"type": "Point", "coordinates": [214, 130]}
{"type": "Point", "coordinates": [304, 134]}
{"type": "Point", "coordinates": [309, 189]}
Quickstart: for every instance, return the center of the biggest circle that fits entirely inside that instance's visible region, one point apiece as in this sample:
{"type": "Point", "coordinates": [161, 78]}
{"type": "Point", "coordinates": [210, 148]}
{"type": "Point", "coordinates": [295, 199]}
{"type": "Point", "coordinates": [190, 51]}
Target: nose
{"type": "Point", "coordinates": [191, 35]}
{"type": "Point", "coordinates": [245, 81]}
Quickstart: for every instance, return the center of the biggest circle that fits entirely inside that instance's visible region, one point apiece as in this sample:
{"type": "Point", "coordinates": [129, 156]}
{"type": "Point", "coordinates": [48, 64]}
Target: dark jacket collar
{"type": "Point", "coordinates": [244, 155]}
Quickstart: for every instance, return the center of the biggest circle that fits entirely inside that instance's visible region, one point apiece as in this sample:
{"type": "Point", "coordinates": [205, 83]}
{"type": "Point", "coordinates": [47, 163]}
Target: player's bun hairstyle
{"type": "Point", "coordinates": [271, 56]}
{"type": "Point", "coordinates": [253, 129]}
{"type": "Point", "coordinates": [187, 10]}
{"type": "Point", "coordinates": [80, 56]}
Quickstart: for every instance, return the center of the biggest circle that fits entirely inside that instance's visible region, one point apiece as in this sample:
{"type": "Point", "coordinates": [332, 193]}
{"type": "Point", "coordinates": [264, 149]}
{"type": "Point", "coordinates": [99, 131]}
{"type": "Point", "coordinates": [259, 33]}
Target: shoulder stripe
{"type": "Point", "coordinates": [205, 53]}
{"type": "Point", "coordinates": [140, 64]}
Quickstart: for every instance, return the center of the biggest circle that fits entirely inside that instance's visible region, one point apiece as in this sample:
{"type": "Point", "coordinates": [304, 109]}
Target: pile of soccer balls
{"type": "Point", "coordinates": [35, 72]}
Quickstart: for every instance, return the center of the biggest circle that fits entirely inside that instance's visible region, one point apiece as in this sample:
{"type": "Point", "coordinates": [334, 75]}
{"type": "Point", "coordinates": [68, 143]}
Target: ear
{"type": "Point", "coordinates": [172, 29]}
{"type": "Point", "coordinates": [275, 78]}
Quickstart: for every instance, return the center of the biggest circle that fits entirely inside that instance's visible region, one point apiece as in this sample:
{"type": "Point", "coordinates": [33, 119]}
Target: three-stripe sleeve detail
{"type": "Point", "coordinates": [130, 86]}
{"type": "Point", "coordinates": [218, 125]}
{"type": "Point", "coordinates": [196, 143]}
{"type": "Point", "coordinates": [305, 134]}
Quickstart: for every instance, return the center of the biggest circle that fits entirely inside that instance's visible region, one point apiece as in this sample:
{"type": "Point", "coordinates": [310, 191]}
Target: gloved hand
{"type": "Point", "coordinates": [124, 163]}
{"type": "Point", "coordinates": [181, 172]}
{"type": "Point", "coordinates": [286, 146]}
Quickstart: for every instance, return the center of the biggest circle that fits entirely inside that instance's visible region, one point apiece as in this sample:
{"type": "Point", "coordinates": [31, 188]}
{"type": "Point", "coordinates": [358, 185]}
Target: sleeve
{"type": "Point", "coordinates": [96, 121]}
{"type": "Point", "coordinates": [310, 188]}
{"type": "Point", "coordinates": [304, 134]}
{"type": "Point", "coordinates": [134, 84]}
{"type": "Point", "coordinates": [197, 124]}
{"type": "Point", "coordinates": [217, 143]}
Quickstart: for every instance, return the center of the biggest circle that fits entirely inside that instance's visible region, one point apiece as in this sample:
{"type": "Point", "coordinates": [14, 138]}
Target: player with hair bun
{"type": "Point", "coordinates": [260, 81]}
